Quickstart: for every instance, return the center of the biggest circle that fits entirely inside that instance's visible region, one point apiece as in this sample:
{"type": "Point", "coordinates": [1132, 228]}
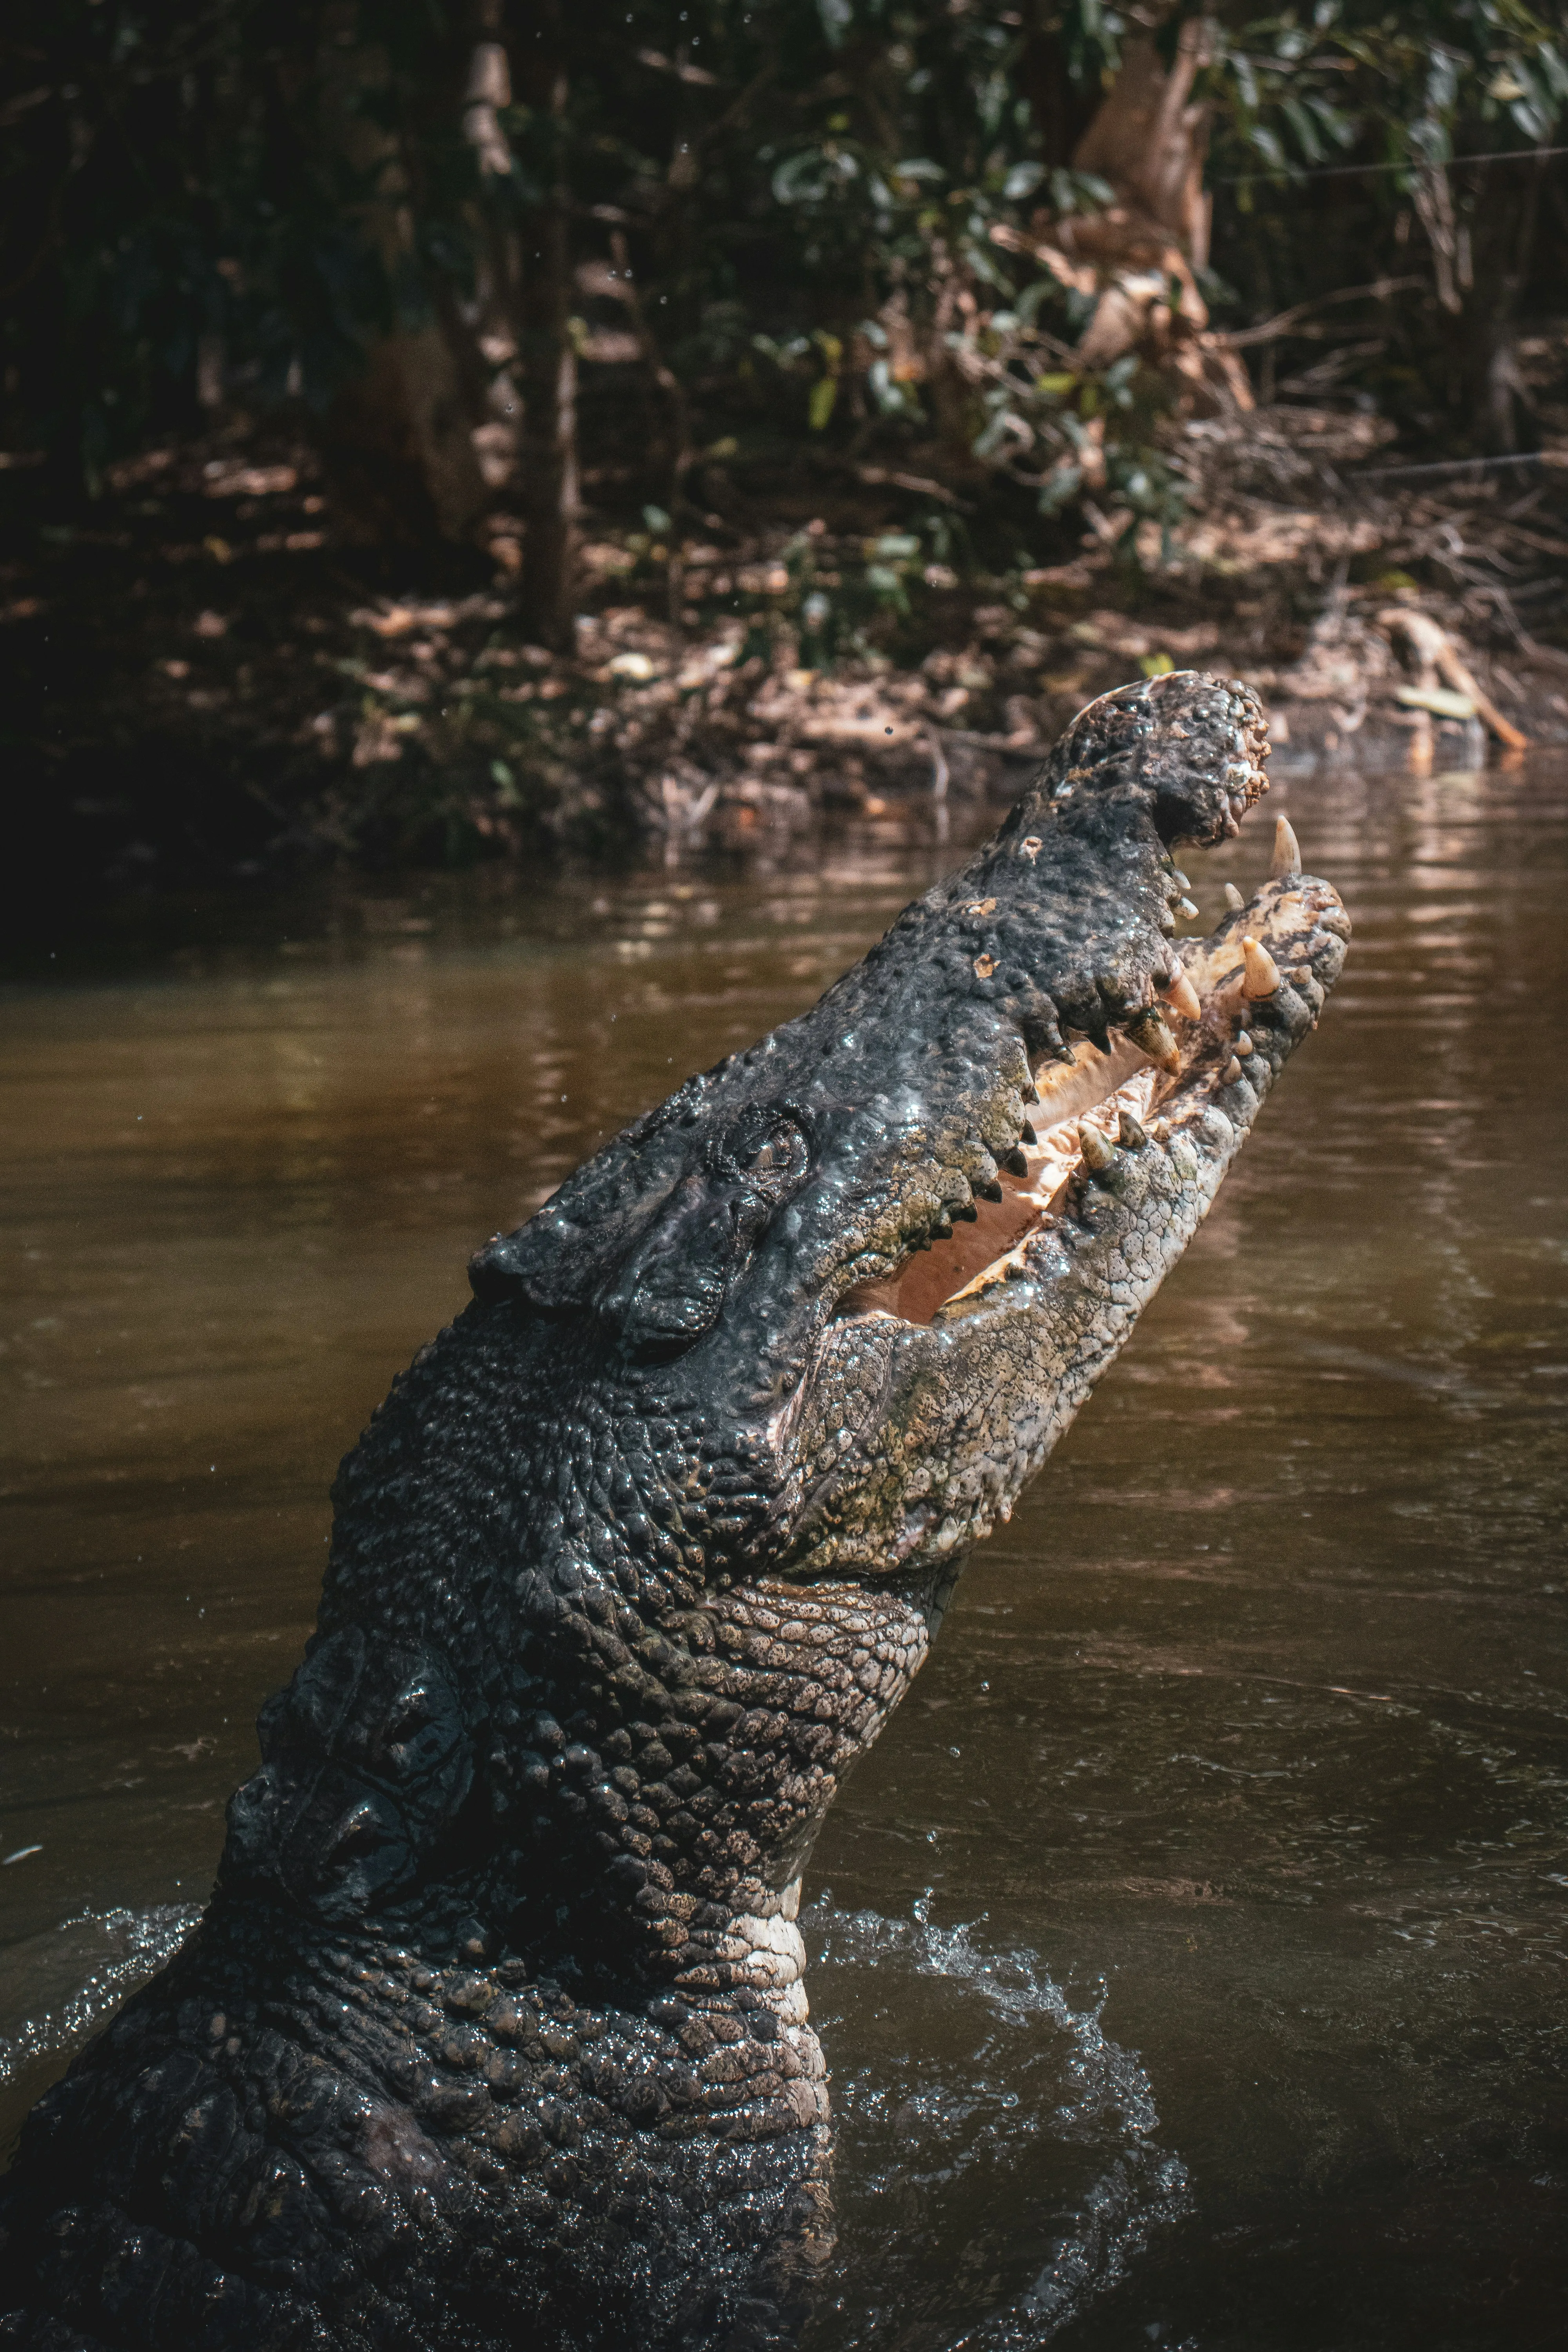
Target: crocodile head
{"type": "Point", "coordinates": [661, 1527]}
{"type": "Point", "coordinates": [638, 1557]}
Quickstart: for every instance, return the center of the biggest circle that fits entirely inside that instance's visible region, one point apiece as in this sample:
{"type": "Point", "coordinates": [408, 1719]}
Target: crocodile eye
{"type": "Point", "coordinates": [670, 1289]}
{"type": "Point", "coordinates": [777, 1168]}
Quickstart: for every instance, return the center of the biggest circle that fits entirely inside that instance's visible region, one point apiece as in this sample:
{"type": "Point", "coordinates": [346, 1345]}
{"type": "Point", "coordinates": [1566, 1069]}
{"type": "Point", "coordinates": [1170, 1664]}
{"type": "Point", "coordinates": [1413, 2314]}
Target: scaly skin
{"type": "Point", "coordinates": [494, 2032]}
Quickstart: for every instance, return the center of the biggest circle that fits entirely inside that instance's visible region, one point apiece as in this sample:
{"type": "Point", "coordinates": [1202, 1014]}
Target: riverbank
{"type": "Point", "coordinates": [209, 689]}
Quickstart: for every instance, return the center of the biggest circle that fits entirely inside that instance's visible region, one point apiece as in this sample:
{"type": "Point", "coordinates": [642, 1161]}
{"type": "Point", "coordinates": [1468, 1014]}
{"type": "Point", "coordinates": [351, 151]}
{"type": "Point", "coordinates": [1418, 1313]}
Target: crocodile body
{"type": "Point", "coordinates": [494, 2032]}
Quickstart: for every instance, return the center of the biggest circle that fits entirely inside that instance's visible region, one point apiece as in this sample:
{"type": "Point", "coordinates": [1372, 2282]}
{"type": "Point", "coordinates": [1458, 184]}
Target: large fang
{"type": "Point", "coordinates": [1097, 1152]}
{"type": "Point", "coordinates": [1151, 1036]}
{"type": "Point", "coordinates": [1287, 851]}
{"type": "Point", "coordinates": [1233, 898]}
{"type": "Point", "coordinates": [1184, 998]}
{"type": "Point", "coordinates": [1260, 973]}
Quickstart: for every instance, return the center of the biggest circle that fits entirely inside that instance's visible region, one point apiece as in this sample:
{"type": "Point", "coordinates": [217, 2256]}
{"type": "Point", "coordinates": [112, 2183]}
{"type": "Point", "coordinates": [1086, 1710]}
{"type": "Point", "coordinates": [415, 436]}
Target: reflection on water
{"type": "Point", "coordinates": [1242, 1752]}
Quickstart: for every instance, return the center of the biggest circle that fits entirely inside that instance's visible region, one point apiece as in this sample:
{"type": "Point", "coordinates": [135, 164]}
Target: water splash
{"type": "Point", "coordinates": [1140, 2193]}
{"type": "Point", "coordinates": [1024, 2097]}
{"type": "Point", "coordinates": [120, 1948]}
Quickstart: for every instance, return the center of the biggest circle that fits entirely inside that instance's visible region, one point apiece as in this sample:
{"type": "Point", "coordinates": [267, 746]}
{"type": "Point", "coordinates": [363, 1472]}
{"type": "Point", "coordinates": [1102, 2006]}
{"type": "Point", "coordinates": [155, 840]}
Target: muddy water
{"type": "Point", "coordinates": [1190, 1954]}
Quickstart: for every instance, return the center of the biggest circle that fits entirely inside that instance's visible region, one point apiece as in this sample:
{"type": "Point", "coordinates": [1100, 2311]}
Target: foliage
{"type": "Point", "coordinates": [1338, 128]}
{"type": "Point", "coordinates": [1304, 87]}
{"type": "Point", "coordinates": [810, 193]}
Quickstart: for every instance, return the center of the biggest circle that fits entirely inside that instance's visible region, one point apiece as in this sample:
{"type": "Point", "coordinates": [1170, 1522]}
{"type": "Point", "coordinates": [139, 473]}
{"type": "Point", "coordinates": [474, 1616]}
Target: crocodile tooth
{"type": "Point", "coordinates": [964, 1213]}
{"type": "Point", "coordinates": [1030, 1092]}
{"type": "Point", "coordinates": [1184, 997]}
{"type": "Point", "coordinates": [1149, 1034]}
{"type": "Point", "coordinates": [1185, 907]}
{"type": "Point", "coordinates": [1130, 1133]}
{"type": "Point", "coordinates": [1027, 1133]}
{"type": "Point", "coordinates": [1243, 1043]}
{"type": "Point", "coordinates": [1097, 1152]}
{"type": "Point", "coordinates": [1231, 1071]}
{"type": "Point", "coordinates": [1233, 898]}
{"type": "Point", "coordinates": [1287, 850]}
{"type": "Point", "coordinates": [1260, 973]}
{"type": "Point", "coordinates": [992, 1191]}
{"type": "Point", "coordinates": [1015, 1163]}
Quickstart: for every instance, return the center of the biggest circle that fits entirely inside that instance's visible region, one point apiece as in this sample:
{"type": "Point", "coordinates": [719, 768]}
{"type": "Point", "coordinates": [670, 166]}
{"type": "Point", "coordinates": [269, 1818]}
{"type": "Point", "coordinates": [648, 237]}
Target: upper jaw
{"type": "Point", "coordinates": [934, 1395]}
{"type": "Point", "coordinates": [1058, 928]}
{"type": "Point", "coordinates": [720, 1226]}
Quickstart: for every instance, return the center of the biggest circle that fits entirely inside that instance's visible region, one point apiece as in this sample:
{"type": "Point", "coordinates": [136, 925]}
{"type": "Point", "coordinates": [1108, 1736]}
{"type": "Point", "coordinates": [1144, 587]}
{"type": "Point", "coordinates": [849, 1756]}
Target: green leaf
{"type": "Point", "coordinates": [1305, 128]}
{"type": "Point", "coordinates": [820, 406]}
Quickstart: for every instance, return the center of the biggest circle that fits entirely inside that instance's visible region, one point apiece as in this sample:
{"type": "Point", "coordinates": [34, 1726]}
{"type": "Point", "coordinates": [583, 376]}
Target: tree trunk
{"type": "Point", "coordinates": [547, 359]}
{"type": "Point", "coordinates": [397, 438]}
{"type": "Point", "coordinates": [398, 447]}
{"type": "Point", "coordinates": [1062, 112]}
{"type": "Point", "coordinates": [1484, 333]}
{"type": "Point", "coordinates": [1149, 140]}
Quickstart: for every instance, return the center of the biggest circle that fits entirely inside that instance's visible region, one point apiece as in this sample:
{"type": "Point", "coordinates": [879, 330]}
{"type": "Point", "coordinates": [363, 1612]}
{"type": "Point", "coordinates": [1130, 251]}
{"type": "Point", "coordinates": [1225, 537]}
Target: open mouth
{"type": "Point", "coordinates": [1192, 1045]}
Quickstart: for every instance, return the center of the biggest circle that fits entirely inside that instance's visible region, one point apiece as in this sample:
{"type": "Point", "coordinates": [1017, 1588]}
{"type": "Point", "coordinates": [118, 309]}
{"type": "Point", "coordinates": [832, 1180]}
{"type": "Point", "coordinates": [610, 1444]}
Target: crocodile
{"type": "Point", "coordinates": [494, 2031]}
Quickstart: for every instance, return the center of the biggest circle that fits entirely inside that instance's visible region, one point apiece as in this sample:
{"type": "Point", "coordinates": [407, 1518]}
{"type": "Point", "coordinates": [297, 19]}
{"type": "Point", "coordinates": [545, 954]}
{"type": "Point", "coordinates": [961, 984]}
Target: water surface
{"type": "Point", "coordinates": [1189, 1954]}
